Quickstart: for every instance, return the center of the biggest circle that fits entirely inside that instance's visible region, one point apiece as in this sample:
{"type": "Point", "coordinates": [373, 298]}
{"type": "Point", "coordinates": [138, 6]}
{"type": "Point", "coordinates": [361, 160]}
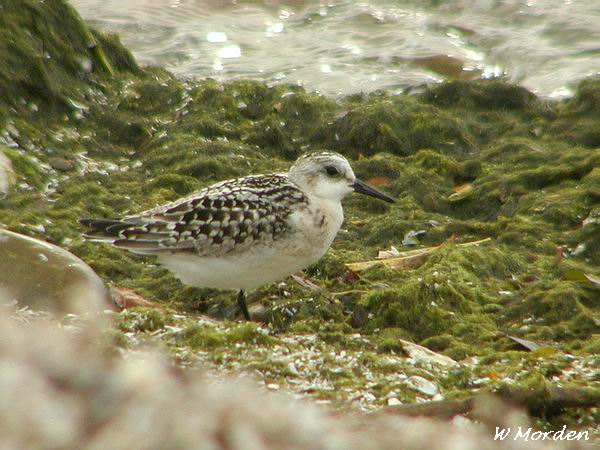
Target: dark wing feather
{"type": "Point", "coordinates": [223, 218]}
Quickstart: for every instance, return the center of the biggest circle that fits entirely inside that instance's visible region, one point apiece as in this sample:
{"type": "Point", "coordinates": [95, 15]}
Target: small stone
{"type": "Point", "coordinates": [423, 355]}
{"type": "Point", "coordinates": [39, 228]}
{"type": "Point", "coordinates": [368, 397]}
{"type": "Point", "coordinates": [393, 401]}
{"type": "Point", "coordinates": [422, 385]}
{"type": "Point", "coordinates": [258, 312]}
{"type": "Point", "coordinates": [273, 387]}
{"type": "Point", "coordinates": [292, 369]}
{"type": "Point", "coordinates": [61, 164]}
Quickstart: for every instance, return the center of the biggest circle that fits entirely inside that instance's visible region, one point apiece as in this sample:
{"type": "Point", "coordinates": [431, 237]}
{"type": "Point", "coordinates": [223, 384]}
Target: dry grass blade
{"type": "Point", "coordinates": [406, 260]}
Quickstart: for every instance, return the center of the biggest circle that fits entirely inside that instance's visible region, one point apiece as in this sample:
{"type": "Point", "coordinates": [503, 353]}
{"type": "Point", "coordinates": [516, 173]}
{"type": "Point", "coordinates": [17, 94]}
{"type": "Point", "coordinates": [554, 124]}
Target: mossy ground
{"type": "Point", "coordinates": [93, 135]}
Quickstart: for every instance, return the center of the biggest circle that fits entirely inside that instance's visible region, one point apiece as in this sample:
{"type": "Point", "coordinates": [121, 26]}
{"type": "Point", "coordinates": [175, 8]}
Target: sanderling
{"type": "Point", "coordinates": [243, 233]}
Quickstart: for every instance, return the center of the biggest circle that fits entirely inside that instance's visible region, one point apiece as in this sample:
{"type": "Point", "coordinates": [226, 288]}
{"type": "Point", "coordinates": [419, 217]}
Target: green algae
{"type": "Point", "coordinates": [27, 170]}
{"type": "Point", "coordinates": [206, 337]}
{"type": "Point", "coordinates": [142, 320]}
{"type": "Point", "coordinates": [49, 56]}
{"type": "Point", "coordinates": [398, 125]}
{"type": "Point", "coordinates": [491, 95]}
{"type": "Point", "coordinates": [135, 138]}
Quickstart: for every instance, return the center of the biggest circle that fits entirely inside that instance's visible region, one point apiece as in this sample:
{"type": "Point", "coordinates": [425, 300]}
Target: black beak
{"type": "Point", "coordinates": [363, 188]}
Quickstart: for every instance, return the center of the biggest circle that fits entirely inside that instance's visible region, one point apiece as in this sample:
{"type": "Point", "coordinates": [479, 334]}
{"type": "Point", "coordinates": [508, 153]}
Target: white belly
{"type": "Point", "coordinates": [243, 271]}
{"type": "Point", "coordinates": [262, 263]}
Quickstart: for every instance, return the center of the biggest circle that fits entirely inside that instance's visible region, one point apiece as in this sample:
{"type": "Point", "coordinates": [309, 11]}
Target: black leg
{"type": "Point", "coordinates": [241, 299]}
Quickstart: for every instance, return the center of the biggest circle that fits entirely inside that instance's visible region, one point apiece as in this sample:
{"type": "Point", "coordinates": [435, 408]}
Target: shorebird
{"type": "Point", "coordinates": [246, 232]}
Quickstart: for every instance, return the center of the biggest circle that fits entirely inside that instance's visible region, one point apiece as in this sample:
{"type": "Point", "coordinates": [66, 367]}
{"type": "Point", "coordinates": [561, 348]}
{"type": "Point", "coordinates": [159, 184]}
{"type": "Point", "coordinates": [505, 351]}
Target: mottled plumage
{"type": "Point", "coordinates": [224, 218]}
{"type": "Point", "coordinates": [242, 233]}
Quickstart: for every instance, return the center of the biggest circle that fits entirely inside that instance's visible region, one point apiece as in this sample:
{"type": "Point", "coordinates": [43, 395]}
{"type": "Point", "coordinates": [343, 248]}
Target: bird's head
{"type": "Point", "coordinates": [328, 175]}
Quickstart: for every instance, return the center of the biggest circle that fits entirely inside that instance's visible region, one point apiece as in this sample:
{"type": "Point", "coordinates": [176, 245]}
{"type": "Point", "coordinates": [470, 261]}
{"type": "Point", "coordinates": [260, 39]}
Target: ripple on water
{"type": "Point", "coordinates": [345, 46]}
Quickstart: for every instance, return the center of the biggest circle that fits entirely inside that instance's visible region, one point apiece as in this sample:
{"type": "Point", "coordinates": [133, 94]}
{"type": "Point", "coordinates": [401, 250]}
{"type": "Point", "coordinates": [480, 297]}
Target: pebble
{"type": "Point", "coordinates": [422, 385]}
{"type": "Point", "coordinates": [61, 164]}
{"type": "Point", "coordinates": [292, 369]}
{"type": "Point", "coordinates": [393, 401]}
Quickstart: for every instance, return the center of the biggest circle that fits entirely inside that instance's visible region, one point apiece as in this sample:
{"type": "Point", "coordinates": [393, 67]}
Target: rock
{"type": "Point", "coordinates": [45, 277]}
{"type": "Point", "coordinates": [393, 401]}
{"type": "Point", "coordinates": [61, 164]}
{"type": "Point", "coordinates": [6, 174]}
{"type": "Point", "coordinates": [423, 355]}
{"type": "Point", "coordinates": [422, 385]}
{"type": "Point", "coordinates": [258, 312]}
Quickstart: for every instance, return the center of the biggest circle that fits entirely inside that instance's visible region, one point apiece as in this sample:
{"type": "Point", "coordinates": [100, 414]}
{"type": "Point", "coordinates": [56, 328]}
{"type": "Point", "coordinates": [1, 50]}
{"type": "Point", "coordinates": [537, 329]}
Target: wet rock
{"type": "Point", "coordinates": [54, 74]}
{"type": "Point", "coordinates": [43, 276]}
{"type": "Point", "coordinates": [399, 126]}
{"type": "Point", "coordinates": [6, 174]}
{"type": "Point", "coordinates": [485, 95]}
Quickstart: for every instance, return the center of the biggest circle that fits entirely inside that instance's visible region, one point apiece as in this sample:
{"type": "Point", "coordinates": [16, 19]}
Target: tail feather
{"type": "Point", "coordinates": [129, 235]}
{"type": "Point", "coordinates": [141, 246]}
{"type": "Point", "coordinates": [99, 224]}
{"type": "Point", "coordinates": [104, 230]}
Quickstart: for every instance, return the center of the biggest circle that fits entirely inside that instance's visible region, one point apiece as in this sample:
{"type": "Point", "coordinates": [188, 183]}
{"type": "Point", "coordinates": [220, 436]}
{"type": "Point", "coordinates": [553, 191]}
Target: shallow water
{"type": "Point", "coordinates": [345, 46]}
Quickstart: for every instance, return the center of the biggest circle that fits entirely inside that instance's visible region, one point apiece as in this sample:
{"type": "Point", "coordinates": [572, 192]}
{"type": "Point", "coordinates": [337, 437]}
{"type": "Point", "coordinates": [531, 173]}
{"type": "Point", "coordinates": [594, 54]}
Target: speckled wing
{"type": "Point", "coordinates": [224, 218]}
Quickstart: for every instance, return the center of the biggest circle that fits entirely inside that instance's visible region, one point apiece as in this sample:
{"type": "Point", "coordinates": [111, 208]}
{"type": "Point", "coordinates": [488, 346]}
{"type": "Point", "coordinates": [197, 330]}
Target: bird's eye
{"type": "Point", "coordinates": [332, 171]}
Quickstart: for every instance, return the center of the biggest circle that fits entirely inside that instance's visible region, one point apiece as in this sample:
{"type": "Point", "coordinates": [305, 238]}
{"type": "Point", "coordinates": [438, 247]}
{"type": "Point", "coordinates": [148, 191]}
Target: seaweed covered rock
{"type": "Point", "coordinates": [398, 125]}
{"type": "Point", "coordinates": [486, 95]}
{"type": "Point", "coordinates": [48, 54]}
{"type": "Point", "coordinates": [579, 119]}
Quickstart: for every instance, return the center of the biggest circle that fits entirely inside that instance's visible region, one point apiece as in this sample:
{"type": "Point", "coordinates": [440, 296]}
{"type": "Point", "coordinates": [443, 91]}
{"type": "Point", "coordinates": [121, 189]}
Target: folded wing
{"type": "Point", "coordinates": [224, 218]}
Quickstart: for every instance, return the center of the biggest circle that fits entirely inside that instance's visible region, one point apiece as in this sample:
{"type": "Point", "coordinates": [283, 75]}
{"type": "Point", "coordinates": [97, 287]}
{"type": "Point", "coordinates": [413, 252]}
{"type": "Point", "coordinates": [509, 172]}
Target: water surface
{"type": "Point", "coordinates": [345, 46]}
